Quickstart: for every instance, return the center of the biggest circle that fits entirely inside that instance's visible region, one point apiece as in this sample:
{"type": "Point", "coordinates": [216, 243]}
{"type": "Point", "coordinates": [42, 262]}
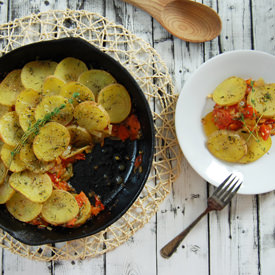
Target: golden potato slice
{"type": "Point", "coordinates": [48, 105]}
{"type": "Point", "coordinates": [10, 129]}
{"type": "Point", "coordinates": [227, 145]}
{"type": "Point", "coordinates": [256, 147]}
{"type": "Point", "coordinates": [60, 208]}
{"type": "Point", "coordinates": [230, 91]}
{"type": "Point", "coordinates": [4, 109]}
{"type": "Point", "coordinates": [208, 125]}
{"type": "Point", "coordinates": [14, 164]}
{"type": "Point", "coordinates": [27, 118]}
{"type": "Point", "coordinates": [75, 151]}
{"type": "Point", "coordinates": [35, 187]}
{"type": "Point", "coordinates": [6, 191]}
{"type": "Point", "coordinates": [70, 68]}
{"type": "Point", "coordinates": [84, 212]}
{"type": "Point", "coordinates": [116, 101]}
{"type": "Point", "coordinates": [51, 142]}
{"type": "Point", "coordinates": [96, 80]}
{"type": "Point", "coordinates": [10, 87]}
{"type": "Point", "coordinates": [22, 208]}
{"type": "Point", "coordinates": [85, 94]}
{"type": "Point", "coordinates": [34, 73]}
{"type": "Point", "coordinates": [28, 98]}
{"type": "Point", "coordinates": [3, 172]}
{"type": "Point", "coordinates": [32, 163]}
{"type": "Point", "coordinates": [79, 136]}
{"type": "Point", "coordinates": [262, 98]}
{"type": "Point", "coordinates": [91, 116]}
{"type": "Point", "coordinates": [52, 85]}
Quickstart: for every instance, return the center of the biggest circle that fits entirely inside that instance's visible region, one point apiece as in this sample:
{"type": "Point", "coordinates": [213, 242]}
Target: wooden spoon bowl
{"type": "Point", "coordinates": [187, 20]}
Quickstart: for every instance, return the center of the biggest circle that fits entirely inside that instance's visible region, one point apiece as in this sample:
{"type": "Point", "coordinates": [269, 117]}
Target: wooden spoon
{"type": "Point", "coordinates": [187, 20]}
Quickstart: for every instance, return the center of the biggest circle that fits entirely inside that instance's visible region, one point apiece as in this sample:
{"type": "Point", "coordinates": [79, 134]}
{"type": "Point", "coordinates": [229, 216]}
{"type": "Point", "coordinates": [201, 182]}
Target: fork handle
{"type": "Point", "coordinates": [171, 247]}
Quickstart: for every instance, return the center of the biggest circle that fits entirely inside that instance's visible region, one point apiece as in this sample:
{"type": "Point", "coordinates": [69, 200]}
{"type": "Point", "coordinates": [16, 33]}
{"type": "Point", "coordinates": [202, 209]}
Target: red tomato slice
{"type": "Point", "coordinates": [264, 131]}
{"type": "Point", "coordinates": [249, 112]}
{"type": "Point", "coordinates": [222, 118]}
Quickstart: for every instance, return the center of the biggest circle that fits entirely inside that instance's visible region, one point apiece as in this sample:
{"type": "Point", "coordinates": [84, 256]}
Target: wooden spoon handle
{"type": "Point", "coordinates": [153, 7]}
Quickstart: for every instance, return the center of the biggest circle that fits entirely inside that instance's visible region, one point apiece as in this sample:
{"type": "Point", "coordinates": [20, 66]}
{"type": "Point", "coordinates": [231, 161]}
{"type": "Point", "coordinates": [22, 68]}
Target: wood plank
{"type": "Point", "coordinates": [86, 266]}
{"type": "Point", "coordinates": [137, 255]}
{"type": "Point", "coordinates": [188, 195]}
{"type": "Point", "coordinates": [264, 19]}
{"type": "Point", "coordinates": [233, 231]}
{"type": "Point", "coordinates": [263, 25]}
{"type": "Point", "coordinates": [3, 12]}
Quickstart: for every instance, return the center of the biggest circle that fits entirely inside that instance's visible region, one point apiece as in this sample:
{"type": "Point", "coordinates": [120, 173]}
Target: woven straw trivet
{"type": "Point", "coordinates": [144, 63]}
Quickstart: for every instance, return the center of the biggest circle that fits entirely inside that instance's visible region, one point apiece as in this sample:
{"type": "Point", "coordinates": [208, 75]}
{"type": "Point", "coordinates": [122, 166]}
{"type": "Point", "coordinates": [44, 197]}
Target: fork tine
{"type": "Point", "coordinates": [221, 192]}
{"type": "Point", "coordinates": [221, 185]}
{"type": "Point", "coordinates": [233, 193]}
{"type": "Point", "coordinates": [228, 192]}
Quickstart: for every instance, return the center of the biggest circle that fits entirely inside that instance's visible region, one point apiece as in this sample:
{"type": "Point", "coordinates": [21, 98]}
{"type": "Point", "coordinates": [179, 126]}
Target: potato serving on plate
{"type": "Point", "coordinates": [240, 127]}
{"type": "Point", "coordinates": [51, 114]}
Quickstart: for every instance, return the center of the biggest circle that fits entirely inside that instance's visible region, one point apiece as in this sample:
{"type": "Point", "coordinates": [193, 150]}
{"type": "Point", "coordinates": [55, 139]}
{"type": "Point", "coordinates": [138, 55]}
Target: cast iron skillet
{"type": "Point", "coordinates": [108, 170]}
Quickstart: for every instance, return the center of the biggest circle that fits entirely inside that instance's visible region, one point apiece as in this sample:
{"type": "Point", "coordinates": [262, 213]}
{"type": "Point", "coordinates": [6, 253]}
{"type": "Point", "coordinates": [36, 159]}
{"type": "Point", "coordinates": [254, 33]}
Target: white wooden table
{"type": "Point", "coordinates": [238, 240]}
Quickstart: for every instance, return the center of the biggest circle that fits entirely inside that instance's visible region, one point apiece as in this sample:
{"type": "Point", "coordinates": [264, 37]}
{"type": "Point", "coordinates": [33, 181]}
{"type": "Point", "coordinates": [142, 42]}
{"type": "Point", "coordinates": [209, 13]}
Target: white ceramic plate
{"type": "Point", "coordinates": [193, 104]}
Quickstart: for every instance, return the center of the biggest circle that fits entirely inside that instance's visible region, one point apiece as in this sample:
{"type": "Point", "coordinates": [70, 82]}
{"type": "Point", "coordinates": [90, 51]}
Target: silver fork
{"type": "Point", "coordinates": [219, 199]}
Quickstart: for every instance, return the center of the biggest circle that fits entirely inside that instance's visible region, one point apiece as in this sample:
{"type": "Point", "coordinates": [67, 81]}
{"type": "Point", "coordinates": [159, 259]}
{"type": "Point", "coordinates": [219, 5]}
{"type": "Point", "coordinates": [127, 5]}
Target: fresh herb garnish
{"type": "Point", "coordinates": [33, 130]}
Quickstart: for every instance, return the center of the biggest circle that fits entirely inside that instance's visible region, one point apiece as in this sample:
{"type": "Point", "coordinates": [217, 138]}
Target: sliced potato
{"type": "Point", "coordinates": [96, 80]}
{"type": "Point", "coordinates": [52, 85]}
{"type": "Point", "coordinates": [70, 68]}
{"type": "Point", "coordinates": [208, 125]}
{"type": "Point", "coordinates": [27, 118]}
{"type": "Point", "coordinates": [116, 101]}
{"type": "Point", "coordinates": [6, 191]}
{"type": "Point", "coordinates": [10, 88]}
{"type": "Point", "coordinates": [50, 103]}
{"type": "Point", "coordinates": [84, 212]}
{"type": "Point", "coordinates": [68, 173]}
{"type": "Point", "coordinates": [3, 172]}
{"type": "Point", "coordinates": [79, 136]}
{"type": "Point", "coordinates": [14, 164]}
{"type": "Point", "coordinates": [51, 142]}
{"type": "Point", "coordinates": [34, 73]}
{"type": "Point", "coordinates": [230, 91]}
{"type": "Point", "coordinates": [256, 147]}
{"type": "Point", "coordinates": [85, 94]}
{"type": "Point", "coordinates": [91, 116]}
{"type": "Point", "coordinates": [35, 187]}
{"type": "Point", "coordinates": [32, 163]}
{"type": "Point", "coordinates": [75, 151]}
{"type": "Point", "coordinates": [262, 98]}
{"type": "Point", "coordinates": [227, 145]}
{"type": "Point", "coordinates": [60, 208]}
{"type": "Point", "coordinates": [22, 208]}
{"type": "Point", "coordinates": [10, 129]}
{"type": "Point", "coordinates": [4, 109]}
{"type": "Point", "coordinates": [28, 98]}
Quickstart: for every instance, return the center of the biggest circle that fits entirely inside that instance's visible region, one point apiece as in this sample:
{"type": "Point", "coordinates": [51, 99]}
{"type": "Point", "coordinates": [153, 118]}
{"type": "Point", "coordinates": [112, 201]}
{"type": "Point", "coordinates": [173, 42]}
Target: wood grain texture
{"type": "Point", "coordinates": [264, 40]}
{"type": "Point", "coordinates": [188, 195]}
{"type": "Point", "coordinates": [235, 227]}
{"type": "Point", "coordinates": [238, 240]}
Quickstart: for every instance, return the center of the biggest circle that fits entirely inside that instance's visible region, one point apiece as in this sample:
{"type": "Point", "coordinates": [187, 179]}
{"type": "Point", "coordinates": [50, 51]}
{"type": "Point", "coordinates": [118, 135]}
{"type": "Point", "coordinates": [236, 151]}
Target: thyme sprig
{"type": "Point", "coordinates": [33, 130]}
